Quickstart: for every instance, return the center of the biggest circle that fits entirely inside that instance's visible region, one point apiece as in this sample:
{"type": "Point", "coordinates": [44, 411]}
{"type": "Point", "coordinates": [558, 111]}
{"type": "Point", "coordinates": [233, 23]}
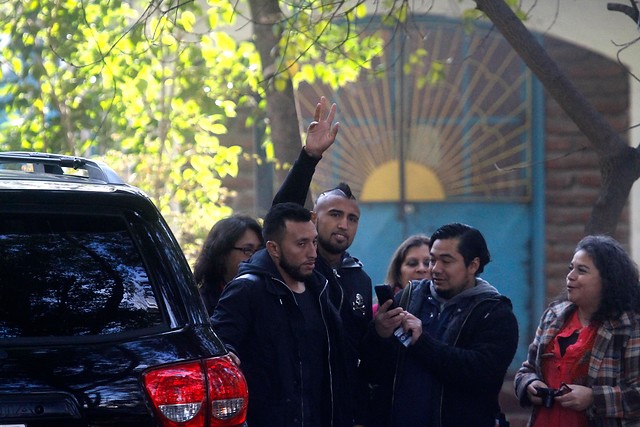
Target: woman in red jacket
{"type": "Point", "coordinates": [583, 367]}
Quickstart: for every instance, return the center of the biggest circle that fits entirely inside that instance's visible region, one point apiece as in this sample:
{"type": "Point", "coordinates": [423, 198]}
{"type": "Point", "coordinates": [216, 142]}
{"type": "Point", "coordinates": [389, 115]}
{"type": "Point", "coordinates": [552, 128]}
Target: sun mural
{"type": "Point", "coordinates": [465, 137]}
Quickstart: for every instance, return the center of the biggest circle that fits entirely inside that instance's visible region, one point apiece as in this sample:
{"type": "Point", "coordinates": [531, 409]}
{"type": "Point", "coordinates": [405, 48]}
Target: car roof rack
{"type": "Point", "coordinates": [55, 164]}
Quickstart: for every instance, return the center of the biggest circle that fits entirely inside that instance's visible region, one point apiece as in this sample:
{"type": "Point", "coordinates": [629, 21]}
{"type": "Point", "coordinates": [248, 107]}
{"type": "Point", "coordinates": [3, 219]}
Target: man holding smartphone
{"type": "Point", "coordinates": [463, 338]}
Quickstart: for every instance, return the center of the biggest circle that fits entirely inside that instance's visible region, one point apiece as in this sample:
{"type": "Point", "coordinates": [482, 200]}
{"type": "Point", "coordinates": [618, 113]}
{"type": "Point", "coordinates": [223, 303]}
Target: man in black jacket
{"type": "Point", "coordinates": [337, 220]}
{"type": "Point", "coordinates": [276, 317]}
{"type": "Point", "coordinates": [338, 215]}
{"type": "Point", "coordinates": [463, 337]}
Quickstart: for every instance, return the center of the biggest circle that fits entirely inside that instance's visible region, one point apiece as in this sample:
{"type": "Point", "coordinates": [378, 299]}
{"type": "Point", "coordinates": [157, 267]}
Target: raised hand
{"type": "Point", "coordinates": [322, 131]}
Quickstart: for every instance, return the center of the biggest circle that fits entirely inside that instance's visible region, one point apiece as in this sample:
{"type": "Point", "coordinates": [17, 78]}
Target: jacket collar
{"type": "Point", "coordinates": [481, 288]}
{"type": "Point", "coordinates": [562, 309]}
{"type": "Point", "coordinates": [346, 261]}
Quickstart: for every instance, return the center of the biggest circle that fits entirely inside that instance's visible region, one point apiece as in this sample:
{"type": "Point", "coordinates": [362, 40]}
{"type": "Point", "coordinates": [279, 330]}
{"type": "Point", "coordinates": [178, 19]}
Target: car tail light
{"type": "Point", "coordinates": [203, 393]}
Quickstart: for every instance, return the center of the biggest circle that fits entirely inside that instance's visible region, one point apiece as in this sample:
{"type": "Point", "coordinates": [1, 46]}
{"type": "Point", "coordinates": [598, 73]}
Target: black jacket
{"type": "Point", "coordinates": [350, 286]}
{"type": "Point", "coordinates": [455, 377]}
{"type": "Point", "coordinates": [256, 318]}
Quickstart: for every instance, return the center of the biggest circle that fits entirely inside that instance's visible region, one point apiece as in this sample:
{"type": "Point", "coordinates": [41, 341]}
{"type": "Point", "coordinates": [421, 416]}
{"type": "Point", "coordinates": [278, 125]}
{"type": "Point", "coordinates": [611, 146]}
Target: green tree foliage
{"type": "Point", "coordinates": [148, 90]}
{"type": "Point", "coordinates": [313, 41]}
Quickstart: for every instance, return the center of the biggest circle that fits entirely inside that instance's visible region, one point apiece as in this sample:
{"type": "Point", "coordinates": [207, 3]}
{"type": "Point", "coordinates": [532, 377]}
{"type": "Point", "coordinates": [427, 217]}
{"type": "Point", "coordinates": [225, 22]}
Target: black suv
{"type": "Point", "coordinates": [101, 323]}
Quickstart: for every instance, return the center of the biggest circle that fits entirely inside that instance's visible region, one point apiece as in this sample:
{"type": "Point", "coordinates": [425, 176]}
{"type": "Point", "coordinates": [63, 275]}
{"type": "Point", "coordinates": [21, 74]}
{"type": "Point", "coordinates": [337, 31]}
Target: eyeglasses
{"type": "Point", "coordinates": [247, 250]}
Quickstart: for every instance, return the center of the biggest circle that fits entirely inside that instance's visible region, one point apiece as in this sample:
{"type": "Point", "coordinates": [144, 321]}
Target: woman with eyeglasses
{"type": "Point", "coordinates": [409, 262]}
{"type": "Point", "coordinates": [230, 241]}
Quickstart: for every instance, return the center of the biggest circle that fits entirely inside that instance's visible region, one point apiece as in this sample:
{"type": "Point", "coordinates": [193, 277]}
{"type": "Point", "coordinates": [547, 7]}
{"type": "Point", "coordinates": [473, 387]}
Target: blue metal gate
{"type": "Point", "coordinates": [466, 145]}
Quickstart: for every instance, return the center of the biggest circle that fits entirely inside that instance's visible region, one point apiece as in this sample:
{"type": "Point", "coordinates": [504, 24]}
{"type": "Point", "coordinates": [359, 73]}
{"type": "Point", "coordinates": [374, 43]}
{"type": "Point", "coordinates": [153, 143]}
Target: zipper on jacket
{"type": "Point", "coordinates": [300, 373]}
{"type": "Point", "coordinates": [401, 356]}
{"type": "Point", "coordinates": [326, 329]}
{"type": "Point", "coordinates": [395, 379]}
{"type": "Point", "coordinates": [336, 275]}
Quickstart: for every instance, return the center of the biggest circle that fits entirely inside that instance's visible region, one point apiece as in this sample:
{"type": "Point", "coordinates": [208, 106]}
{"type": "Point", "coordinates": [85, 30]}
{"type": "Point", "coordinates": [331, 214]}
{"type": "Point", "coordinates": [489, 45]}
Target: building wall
{"type": "Point", "coordinates": [572, 176]}
{"type": "Point", "coordinates": [571, 169]}
{"type": "Point", "coordinates": [572, 172]}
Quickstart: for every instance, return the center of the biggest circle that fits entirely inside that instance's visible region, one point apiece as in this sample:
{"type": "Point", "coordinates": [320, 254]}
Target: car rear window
{"type": "Point", "coordinates": [71, 275]}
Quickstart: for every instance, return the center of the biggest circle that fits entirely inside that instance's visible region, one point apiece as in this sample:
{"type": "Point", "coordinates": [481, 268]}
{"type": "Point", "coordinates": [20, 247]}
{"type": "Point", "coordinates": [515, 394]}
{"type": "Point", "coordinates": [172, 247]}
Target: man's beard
{"type": "Point", "coordinates": [294, 271]}
{"type": "Point", "coordinates": [332, 248]}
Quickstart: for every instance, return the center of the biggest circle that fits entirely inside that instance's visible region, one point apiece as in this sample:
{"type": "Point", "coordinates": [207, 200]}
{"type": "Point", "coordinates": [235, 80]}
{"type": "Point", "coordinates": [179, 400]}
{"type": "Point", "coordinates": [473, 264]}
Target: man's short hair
{"type": "Point", "coordinates": [274, 225]}
{"type": "Point", "coordinates": [471, 242]}
{"type": "Point", "coordinates": [341, 190]}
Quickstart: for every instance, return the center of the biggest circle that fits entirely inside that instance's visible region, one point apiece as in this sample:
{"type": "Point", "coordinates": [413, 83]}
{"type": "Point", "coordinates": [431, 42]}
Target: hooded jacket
{"type": "Point", "coordinates": [453, 374]}
{"type": "Point", "coordinates": [257, 318]}
{"type": "Point", "coordinates": [350, 288]}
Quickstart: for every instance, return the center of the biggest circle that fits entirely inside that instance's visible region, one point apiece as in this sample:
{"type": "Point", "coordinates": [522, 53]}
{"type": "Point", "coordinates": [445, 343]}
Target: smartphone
{"type": "Point", "coordinates": [384, 292]}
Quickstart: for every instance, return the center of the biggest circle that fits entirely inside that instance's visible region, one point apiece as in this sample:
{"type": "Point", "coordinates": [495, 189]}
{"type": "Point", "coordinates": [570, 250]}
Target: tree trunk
{"type": "Point", "coordinates": [281, 106]}
{"type": "Point", "coordinates": [619, 163]}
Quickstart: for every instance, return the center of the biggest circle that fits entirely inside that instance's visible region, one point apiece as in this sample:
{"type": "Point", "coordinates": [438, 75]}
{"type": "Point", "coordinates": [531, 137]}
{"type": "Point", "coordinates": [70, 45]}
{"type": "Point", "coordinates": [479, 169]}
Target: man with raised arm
{"type": "Point", "coordinates": [337, 220]}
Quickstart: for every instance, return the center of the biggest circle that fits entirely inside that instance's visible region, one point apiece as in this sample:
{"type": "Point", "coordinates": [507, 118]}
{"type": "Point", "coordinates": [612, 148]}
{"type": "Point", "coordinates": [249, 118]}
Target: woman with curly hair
{"type": "Point", "coordinates": [230, 241]}
{"type": "Point", "coordinates": [583, 367]}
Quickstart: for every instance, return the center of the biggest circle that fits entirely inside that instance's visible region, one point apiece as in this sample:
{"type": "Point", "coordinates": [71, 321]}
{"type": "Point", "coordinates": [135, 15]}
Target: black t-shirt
{"type": "Point", "coordinates": [313, 355]}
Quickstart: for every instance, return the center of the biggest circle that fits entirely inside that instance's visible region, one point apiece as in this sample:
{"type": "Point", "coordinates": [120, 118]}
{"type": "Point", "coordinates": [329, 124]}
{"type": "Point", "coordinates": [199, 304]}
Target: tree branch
{"type": "Point", "coordinates": [631, 11]}
{"type": "Point", "coordinates": [605, 140]}
{"type": "Point", "coordinates": [619, 163]}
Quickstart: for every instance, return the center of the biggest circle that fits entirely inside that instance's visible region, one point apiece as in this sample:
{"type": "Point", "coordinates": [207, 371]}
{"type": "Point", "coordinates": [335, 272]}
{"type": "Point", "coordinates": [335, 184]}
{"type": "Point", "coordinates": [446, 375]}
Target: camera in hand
{"type": "Point", "coordinates": [548, 395]}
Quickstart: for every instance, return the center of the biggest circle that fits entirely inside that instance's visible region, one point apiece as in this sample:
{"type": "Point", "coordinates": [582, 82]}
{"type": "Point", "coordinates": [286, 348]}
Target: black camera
{"type": "Point", "coordinates": [548, 395]}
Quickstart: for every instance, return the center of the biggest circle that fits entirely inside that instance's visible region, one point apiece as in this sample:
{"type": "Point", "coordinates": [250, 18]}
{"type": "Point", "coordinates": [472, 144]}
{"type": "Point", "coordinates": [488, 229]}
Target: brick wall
{"type": "Point", "coordinates": [572, 175]}
{"type": "Point", "coordinates": [572, 172]}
